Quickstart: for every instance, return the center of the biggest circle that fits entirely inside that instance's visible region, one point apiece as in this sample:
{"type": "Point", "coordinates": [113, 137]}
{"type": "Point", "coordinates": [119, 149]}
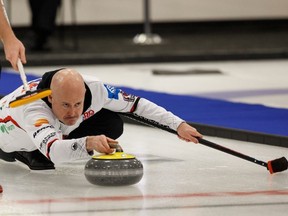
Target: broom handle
{"type": "Point", "coordinates": [202, 141]}
{"type": "Point", "coordinates": [231, 152]}
{"type": "Point", "coordinates": [22, 75]}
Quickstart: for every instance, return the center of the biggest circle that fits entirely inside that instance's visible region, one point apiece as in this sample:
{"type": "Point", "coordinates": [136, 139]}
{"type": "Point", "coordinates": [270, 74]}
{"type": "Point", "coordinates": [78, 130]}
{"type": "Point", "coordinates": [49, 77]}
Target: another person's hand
{"type": "Point", "coordinates": [14, 49]}
{"type": "Point", "coordinates": [100, 144]}
{"type": "Point", "coordinates": [188, 133]}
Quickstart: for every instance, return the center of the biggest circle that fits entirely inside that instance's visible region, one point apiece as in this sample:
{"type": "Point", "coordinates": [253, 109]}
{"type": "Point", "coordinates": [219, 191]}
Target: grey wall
{"type": "Point", "coordinates": [130, 11]}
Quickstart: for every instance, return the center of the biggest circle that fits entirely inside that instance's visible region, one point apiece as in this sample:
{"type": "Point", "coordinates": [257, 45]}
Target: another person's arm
{"type": "Point", "coordinates": [13, 47]}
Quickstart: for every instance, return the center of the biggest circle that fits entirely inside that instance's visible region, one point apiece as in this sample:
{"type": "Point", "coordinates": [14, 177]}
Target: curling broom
{"type": "Point", "coordinates": [29, 96]}
{"type": "Point", "coordinates": [273, 166]}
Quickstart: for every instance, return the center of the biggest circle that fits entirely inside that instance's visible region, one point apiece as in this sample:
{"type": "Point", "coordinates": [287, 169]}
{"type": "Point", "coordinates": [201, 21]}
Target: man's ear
{"type": "Point", "coordinates": [50, 98]}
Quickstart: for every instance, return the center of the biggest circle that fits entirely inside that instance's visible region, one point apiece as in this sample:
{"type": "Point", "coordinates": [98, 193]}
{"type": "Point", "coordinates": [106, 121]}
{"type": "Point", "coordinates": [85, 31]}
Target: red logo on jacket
{"type": "Point", "coordinates": [88, 114]}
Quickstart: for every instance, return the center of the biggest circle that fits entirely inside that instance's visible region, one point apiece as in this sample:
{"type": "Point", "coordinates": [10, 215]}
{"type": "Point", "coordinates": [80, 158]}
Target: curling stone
{"type": "Point", "coordinates": [116, 169]}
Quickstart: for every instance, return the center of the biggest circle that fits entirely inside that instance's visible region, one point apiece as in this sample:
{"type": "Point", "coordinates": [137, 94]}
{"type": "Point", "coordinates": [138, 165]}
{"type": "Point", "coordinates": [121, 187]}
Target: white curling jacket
{"type": "Point", "coordinates": [34, 126]}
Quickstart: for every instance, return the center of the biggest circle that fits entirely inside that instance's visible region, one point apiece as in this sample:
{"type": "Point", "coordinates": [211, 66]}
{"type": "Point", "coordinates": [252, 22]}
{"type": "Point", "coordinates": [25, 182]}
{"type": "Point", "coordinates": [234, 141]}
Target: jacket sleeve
{"type": "Point", "coordinates": [120, 101]}
{"type": "Point", "coordinates": [44, 130]}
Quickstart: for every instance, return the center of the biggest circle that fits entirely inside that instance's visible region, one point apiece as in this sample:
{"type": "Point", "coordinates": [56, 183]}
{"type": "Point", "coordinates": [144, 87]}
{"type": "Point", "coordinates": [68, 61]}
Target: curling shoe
{"type": "Point", "coordinates": [9, 157]}
{"type": "Point", "coordinates": [35, 160]}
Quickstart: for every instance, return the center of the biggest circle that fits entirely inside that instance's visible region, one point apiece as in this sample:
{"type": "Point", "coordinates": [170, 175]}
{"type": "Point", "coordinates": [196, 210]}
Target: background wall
{"type": "Point", "coordinates": [130, 11]}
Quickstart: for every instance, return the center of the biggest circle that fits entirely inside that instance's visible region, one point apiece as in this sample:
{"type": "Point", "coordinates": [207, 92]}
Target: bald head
{"type": "Point", "coordinates": [67, 79]}
{"type": "Point", "coordinates": [68, 94]}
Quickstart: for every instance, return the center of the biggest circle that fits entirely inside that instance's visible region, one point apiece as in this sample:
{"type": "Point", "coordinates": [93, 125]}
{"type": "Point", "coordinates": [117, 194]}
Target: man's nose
{"type": "Point", "coordinates": [72, 111]}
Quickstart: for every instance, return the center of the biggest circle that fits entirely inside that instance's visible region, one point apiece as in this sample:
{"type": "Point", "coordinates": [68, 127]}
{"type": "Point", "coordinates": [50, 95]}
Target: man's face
{"type": "Point", "coordinates": [67, 106]}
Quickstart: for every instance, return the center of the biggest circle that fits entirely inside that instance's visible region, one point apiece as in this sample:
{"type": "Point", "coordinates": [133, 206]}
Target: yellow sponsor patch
{"type": "Point", "coordinates": [40, 122]}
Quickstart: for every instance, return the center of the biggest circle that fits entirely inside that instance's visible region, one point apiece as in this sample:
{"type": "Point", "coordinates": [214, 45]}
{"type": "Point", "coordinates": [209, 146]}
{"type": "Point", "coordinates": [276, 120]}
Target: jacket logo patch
{"type": "Point", "coordinates": [41, 129]}
{"type": "Point", "coordinates": [31, 85]}
{"type": "Point", "coordinates": [88, 114]}
{"type": "Point", "coordinates": [128, 97]}
{"type": "Point", "coordinates": [74, 146]}
{"type": "Point", "coordinates": [40, 122]}
{"type": "Point", "coordinates": [46, 139]}
{"type": "Point", "coordinates": [112, 92]}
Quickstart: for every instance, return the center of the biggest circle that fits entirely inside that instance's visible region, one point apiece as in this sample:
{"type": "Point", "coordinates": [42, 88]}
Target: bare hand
{"type": "Point", "coordinates": [14, 49]}
{"type": "Point", "coordinates": [188, 133]}
{"type": "Point", "coordinates": [100, 144]}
